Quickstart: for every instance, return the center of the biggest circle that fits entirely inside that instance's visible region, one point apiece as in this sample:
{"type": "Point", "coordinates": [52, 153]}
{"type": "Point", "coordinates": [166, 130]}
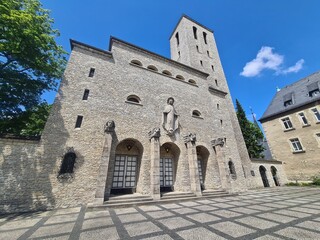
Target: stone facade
{"type": "Point", "coordinates": [293, 131]}
{"type": "Point", "coordinates": [109, 118]}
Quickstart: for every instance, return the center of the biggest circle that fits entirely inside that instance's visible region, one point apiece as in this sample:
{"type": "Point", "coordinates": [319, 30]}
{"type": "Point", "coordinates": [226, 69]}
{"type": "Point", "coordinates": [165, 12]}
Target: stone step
{"type": "Point", "coordinates": [177, 195]}
{"type": "Point", "coordinates": [128, 199]}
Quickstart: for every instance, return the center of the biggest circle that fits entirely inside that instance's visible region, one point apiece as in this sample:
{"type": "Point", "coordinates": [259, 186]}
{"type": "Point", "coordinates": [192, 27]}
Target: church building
{"type": "Point", "coordinates": [129, 121]}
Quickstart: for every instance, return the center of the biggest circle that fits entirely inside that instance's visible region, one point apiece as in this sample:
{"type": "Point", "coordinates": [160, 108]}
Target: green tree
{"type": "Point", "coordinates": [30, 60]}
{"type": "Point", "coordinates": [251, 133]}
{"type": "Point", "coordinates": [28, 123]}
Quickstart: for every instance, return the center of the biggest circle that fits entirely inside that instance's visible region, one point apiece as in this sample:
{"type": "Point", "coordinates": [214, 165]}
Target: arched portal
{"type": "Point", "coordinates": [126, 166]}
{"type": "Point", "coordinates": [202, 158]}
{"type": "Point", "coordinates": [169, 156]}
{"type": "Point", "coordinates": [274, 173]}
{"type": "Point", "coordinates": [264, 178]}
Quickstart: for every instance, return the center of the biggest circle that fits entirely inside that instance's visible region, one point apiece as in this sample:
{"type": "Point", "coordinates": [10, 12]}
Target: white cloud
{"type": "Point", "coordinates": [267, 59]}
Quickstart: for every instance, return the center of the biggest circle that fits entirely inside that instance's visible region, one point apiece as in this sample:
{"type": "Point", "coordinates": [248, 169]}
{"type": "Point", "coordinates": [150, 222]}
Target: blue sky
{"type": "Point", "coordinates": [262, 44]}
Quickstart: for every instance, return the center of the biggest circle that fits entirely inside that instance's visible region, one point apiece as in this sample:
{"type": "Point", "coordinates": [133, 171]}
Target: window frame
{"type": "Point", "coordinates": [316, 114]}
{"type": "Point", "coordinates": [303, 119]}
{"type": "Point", "coordinates": [285, 122]}
{"type": "Point", "coordinates": [296, 145]}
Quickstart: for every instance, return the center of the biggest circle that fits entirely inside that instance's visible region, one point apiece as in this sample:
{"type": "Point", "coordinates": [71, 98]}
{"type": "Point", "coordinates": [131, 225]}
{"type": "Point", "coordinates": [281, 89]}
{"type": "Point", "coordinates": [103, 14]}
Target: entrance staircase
{"type": "Point", "coordinates": [167, 197]}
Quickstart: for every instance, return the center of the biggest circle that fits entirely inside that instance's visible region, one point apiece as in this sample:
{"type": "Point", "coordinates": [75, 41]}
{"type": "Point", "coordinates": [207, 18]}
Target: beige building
{"type": "Point", "coordinates": [127, 121]}
{"type": "Point", "coordinates": [291, 124]}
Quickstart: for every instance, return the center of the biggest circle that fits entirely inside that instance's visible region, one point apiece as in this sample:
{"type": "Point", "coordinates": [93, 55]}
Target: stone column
{"type": "Point", "coordinates": [190, 141]}
{"type": "Point", "coordinates": [218, 144]}
{"type": "Point", "coordinates": [154, 136]}
{"type": "Point", "coordinates": [104, 164]}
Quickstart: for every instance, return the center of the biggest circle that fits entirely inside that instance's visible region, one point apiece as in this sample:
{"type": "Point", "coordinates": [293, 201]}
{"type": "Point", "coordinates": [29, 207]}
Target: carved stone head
{"type": "Point", "coordinates": [170, 100]}
{"type": "Point", "coordinates": [109, 127]}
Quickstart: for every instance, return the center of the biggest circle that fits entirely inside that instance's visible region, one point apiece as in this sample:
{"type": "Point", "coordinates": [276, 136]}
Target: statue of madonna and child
{"type": "Point", "coordinates": [170, 121]}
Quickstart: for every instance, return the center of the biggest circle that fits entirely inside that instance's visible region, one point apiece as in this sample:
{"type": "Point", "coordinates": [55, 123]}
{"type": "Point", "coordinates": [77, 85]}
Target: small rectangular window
{"type": "Point", "coordinates": [195, 33]}
{"type": "Point", "coordinates": [296, 145]}
{"type": "Point", "coordinates": [85, 94]}
{"type": "Point", "coordinates": [91, 72]}
{"type": "Point", "coordinates": [287, 123]}
{"type": "Point", "coordinates": [318, 137]}
{"type": "Point", "coordinates": [303, 118]}
{"type": "Point", "coordinates": [313, 89]}
{"type": "Point", "coordinates": [79, 121]}
{"type": "Point", "coordinates": [316, 114]}
{"type": "Point", "coordinates": [201, 63]}
{"type": "Point", "coordinates": [177, 37]}
{"type": "Point", "coordinates": [208, 53]}
{"type": "Point", "coordinates": [212, 67]}
{"type": "Point", "coordinates": [179, 53]}
{"type": "Point", "coordinates": [288, 99]}
{"type": "Point", "coordinates": [197, 48]}
{"type": "Point", "coordinates": [205, 37]}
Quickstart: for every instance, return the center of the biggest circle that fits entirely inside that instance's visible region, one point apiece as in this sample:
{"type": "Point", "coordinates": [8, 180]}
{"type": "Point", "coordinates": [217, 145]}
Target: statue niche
{"type": "Point", "coordinates": [170, 122]}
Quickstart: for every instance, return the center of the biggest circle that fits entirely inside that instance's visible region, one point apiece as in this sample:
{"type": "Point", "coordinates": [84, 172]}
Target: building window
{"type": "Point", "coordinates": [196, 113]}
{"type": "Point", "coordinates": [79, 121]}
{"type": "Point", "coordinates": [318, 138]}
{"type": "Point", "coordinates": [303, 118]}
{"type": "Point", "coordinates": [195, 33]}
{"type": "Point", "coordinates": [205, 37]}
{"type": "Point", "coordinates": [91, 72]}
{"type": "Point", "coordinates": [288, 99]}
{"type": "Point", "coordinates": [179, 77]}
{"type": "Point", "coordinates": [287, 123]}
{"type": "Point", "coordinates": [297, 147]}
{"type": "Point", "coordinates": [177, 37]}
{"type": "Point", "coordinates": [197, 48]}
{"type": "Point", "coordinates": [208, 53]}
{"type": "Point", "coordinates": [153, 68]}
{"type": "Point", "coordinates": [192, 81]}
{"type": "Point", "coordinates": [218, 106]}
{"type": "Point", "coordinates": [68, 162]}
{"type": "Point", "coordinates": [201, 63]}
{"type": "Point", "coordinates": [216, 81]}
{"type": "Point", "coordinates": [313, 89]}
{"type": "Point", "coordinates": [133, 99]}
{"type": "Point", "coordinates": [166, 72]}
{"type": "Point", "coordinates": [212, 67]}
{"type": "Point", "coordinates": [232, 170]}
{"type": "Point", "coordinates": [221, 122]}
{"type": "Point", "coordinates": [136, 62]}
{"type": "Point", "coordinates": [316, 114]}
{"type": "Point", "coordinates": [85, 94]}
{"type": "Point", "coordinates": [179, 53]}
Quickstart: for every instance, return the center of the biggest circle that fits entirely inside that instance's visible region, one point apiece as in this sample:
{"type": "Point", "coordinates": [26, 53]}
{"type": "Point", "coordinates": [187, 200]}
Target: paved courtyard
{"type": "Point", "coordinates": [278, 213]}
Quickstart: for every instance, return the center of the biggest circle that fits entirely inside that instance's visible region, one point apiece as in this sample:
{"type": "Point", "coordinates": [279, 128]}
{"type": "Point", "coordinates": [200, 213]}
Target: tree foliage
{"type": "Point", "coordinates": [30, 60]}
{"type": "Point", "coordinates": [251, 133]}
{"type": "Point", "coordinates": [27, 123]}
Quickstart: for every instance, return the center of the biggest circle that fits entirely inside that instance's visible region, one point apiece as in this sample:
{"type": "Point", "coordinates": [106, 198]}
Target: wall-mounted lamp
{"type": "Point", "coordinates": [129, 146]}
{"type": "Point", "coordinates": [167, 149]}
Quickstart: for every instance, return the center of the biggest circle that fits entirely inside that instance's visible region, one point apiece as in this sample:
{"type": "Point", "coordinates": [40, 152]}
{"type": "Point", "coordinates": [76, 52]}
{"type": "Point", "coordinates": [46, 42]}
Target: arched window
{"type": "Point", "coordinates": [180, 77]}
{"type": "Point", "coordinates": [166, 72]}
{"type": "Point", "coordinates": [205, 37]}
{"type": "Point", "coordinates": [195, 33]}
{"type": "Point", "coordinates": [68, 162]}
{"type": "Point", "coordinates": [192, 81]}
{"type": "Point", "coordinates": [196, 113]}
{"type": "Point", "coordinates": [232, 170]}
{"type": "Point", "coordinates": [153, 68]}
{"type": "Point", "coordinates": [136, 62]}
{"type": "Point", "coordinates": [133, 99]}
{"type": "Point", "coordinates": [177, 38]}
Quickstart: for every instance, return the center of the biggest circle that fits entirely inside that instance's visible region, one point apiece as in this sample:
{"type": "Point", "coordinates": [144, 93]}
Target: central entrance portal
{"type": "Point", "coordinates": [124, 176]}
{"type": "Point", "coordinates": [166, 175]}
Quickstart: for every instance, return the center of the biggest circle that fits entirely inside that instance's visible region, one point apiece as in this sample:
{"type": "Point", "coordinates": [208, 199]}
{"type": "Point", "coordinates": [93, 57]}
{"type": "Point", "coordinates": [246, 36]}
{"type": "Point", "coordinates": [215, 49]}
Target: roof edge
{"type": "Point", "coordinates": [114, 39]}
{"type": "Point", "coordinates": [189, 18]}
{"type": "Point", "coordinates": [74, 43]}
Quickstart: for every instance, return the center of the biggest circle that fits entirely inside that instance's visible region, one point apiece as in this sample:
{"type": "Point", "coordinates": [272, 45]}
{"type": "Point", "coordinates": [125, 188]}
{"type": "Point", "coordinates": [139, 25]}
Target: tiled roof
{"type": "Point", "coordinates": [300, 96]}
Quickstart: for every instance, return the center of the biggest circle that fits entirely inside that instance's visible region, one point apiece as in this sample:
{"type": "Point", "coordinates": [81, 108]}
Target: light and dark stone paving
{"type": "Point", "coordinates": [267, 214]}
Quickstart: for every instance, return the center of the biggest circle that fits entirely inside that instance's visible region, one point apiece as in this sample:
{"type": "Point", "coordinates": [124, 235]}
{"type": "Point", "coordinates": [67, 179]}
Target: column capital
{"type": "Point", "coordinates": [190, 137]}
{"type": "Point", "coordinates": [217, 142]}
{"type": "Point", "coordinates": [109, 127]}
{"type": "Point", "coordinates": [154, 133]}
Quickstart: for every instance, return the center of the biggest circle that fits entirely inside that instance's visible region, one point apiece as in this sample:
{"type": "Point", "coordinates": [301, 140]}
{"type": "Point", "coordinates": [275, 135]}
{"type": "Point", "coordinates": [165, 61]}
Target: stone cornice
{"type": "Point", "coordinates": [87, 47]}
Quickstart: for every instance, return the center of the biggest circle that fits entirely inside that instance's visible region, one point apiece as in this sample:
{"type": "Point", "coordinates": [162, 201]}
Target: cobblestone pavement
{"type": "Point", "coordinates": [278, 213]}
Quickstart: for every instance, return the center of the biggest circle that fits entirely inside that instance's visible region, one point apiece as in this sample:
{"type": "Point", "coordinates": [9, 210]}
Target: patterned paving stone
{"type": "Point", "coordinates": [306, 210]}
{"type": "Point", "coordinates": [257, 222]}
{"type": "Point", "coordinates": [199, 234]}
{"type": "Point", "coordinates": [205, 208]}
{"type": "Point", "coordinates": [131, 218]}
{"type": "Point", "coordinates": [68, 210]}
{"type": "Point", "coordinates": [189, 204]}
{"type": "Point", "coordinates": [293, 213]}
{"type": "Point", "coordinates": [105, 233]}
{"type": "Point", "coordinates": [96, 222]}
{"type": "Point", "coordinates": [185, 210]}
{"type": "Point", "coordinates": [222, 205]}
{"type": "Point", "coordinates": [260, 208]}
{"type": "Point", "coordinates": [49, 230]}
{"type": "Point", "coordinates": [226, 213]}
{"type": "Point", "coordinates": [310, 225]}
{"type": "Point", "coordinates": [244, 210]}
{"type": "Point", "coordinates": [203, 217]}
{"type": "Point", "coordinates": [13, 234]}
{"type": "Point", "coordinates": [62, 218]}
{"type": "Point", "coordinates": [205, 201]}
{"type": "Point", "coordinates": [136, 229]}
{"type": "Point", "coordinates": [125, 210]}
{"type": "Point", "coordinates": [232, 229]}
{"type": "Point", "coordinates": [175, 222]}
{"type": "Point", "coordinates": [19, 224]}
{"type": "Point", "coordinates": [277, 217]}
{"type": "Point", "coordinates": [159, 237]}
{"type": "Point", "coordinates": [160, 214]}
{"type": "Point", "coordinates": [148, 208]}
{"type": "Point", "coordinates": [171, 206]}
{"type": "Point", "coordinates": [268, 237]}
{"type": "Point", "coordinates": [298, 233]}
{"type": "Point", "coordinates": [96, 214]}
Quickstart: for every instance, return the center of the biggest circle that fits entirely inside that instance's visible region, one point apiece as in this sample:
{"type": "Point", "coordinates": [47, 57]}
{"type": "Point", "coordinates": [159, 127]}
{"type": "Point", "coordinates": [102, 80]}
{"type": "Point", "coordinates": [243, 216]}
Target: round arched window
{"type": "Point", "coordinates": [133, 99]}
{"type": "Point", "coordinates": [136, 62]}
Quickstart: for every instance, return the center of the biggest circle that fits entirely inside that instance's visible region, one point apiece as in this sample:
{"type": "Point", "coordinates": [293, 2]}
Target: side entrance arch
{"type": "Point", "coordinates": [275, 177]}
{"type": "Point", "coordinates": [263, 175]}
